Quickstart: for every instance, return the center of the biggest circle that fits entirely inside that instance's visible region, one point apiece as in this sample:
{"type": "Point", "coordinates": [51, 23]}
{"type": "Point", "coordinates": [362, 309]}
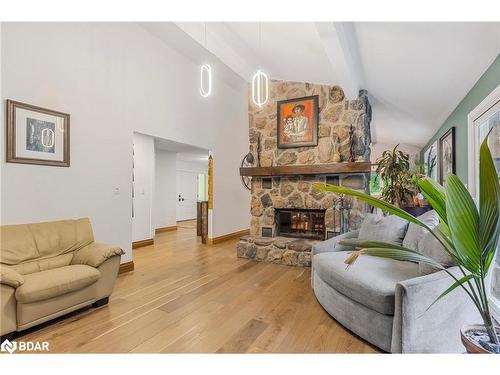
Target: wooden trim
{"type": "Point", "coordinates": [320, 169]}
{"type": "Point", "coordinates": [11, 156]}
{"type": "Point", "coordinates": [166, 229]}
{"type": "Point", "coordinates": [229, 236]}
{"type": "Point", "coordinates": [202, 221]}
{"type": "Point", "coordinates": [126, 267]}
{"type": "Point", "coordinates": [142, 243]}
{"type": "Point", "coordinates": [210, 182]}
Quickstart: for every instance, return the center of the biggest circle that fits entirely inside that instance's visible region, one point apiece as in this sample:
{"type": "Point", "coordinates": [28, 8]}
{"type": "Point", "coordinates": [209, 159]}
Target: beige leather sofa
{"type": "Point", "coordinates": [50, 269]}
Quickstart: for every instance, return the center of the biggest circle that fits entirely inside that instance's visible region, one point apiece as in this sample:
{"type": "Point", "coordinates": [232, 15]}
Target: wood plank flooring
{"type": "Point", "coordinates": [185, 297]}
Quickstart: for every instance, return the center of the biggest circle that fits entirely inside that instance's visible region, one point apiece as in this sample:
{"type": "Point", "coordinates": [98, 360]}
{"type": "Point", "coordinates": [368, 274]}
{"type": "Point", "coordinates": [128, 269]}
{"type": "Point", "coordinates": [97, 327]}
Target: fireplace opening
{"type": "Point", "coordinates": [300, 223]}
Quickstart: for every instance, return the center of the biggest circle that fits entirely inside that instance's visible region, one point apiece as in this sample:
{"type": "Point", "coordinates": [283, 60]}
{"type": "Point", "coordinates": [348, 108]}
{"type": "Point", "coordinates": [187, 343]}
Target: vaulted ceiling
{"type": "Point", "coordinates": [415, 73]}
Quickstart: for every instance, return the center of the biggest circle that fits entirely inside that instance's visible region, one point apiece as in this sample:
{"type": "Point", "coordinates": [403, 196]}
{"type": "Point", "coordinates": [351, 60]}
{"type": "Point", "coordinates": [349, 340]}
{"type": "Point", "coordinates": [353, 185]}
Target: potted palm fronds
{"type": "Point", "coordinates": [469, 234]}
{"type": "Point", "coordinates": [393, 166]}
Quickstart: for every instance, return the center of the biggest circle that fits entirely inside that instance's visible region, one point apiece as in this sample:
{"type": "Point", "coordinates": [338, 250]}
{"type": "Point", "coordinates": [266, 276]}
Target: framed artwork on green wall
{"type": "Point", "coordinates": [447, 155]}
{"type": "Point", "coordinates": [430, 161]}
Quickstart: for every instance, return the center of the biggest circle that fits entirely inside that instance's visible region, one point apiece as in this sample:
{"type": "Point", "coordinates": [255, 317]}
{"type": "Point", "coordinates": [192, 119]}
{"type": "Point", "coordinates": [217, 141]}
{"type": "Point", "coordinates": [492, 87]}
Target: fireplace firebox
{"type": "Point", "coordinates": [300, 223]}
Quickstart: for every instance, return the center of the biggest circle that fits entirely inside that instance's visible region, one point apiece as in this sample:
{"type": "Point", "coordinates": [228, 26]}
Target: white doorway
{"type": "Point", "coordinates": [187, 195]}
{"type": "Point", "coordinates": [168, 180]}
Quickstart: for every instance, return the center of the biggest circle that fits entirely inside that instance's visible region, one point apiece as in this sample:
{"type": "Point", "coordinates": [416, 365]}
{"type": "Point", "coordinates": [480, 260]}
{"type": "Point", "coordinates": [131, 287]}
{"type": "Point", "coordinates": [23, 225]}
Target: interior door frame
{"type": "Point", "coordinates": [196, 198]}
{"type": "Point", "coordinates": [489, 102]}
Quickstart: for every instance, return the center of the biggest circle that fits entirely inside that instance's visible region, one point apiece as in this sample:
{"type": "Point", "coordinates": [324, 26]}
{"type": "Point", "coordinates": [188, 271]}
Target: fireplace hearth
{"type": "Point", "coordinates": [301, 223]}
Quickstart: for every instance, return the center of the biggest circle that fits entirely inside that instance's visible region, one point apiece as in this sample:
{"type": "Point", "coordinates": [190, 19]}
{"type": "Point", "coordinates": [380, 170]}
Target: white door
{"type": "Point", "coordinates": [187, 195]}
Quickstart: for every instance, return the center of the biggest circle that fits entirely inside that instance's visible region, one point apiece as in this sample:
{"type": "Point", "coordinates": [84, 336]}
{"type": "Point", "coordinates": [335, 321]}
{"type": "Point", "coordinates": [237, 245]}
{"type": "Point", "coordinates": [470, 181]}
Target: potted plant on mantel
{"type": "Point", "coordinates": [469, 235]}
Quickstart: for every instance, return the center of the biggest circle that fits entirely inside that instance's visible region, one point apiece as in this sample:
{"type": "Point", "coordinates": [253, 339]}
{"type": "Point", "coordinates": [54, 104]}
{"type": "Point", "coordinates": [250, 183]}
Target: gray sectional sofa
{"type": "Point", "coordinates": [385, 301]}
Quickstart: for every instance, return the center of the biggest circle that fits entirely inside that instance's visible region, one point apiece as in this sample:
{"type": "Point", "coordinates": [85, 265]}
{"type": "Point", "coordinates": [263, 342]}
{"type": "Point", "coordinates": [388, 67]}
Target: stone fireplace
{"type": "Point", "coordinates": [288, 214]}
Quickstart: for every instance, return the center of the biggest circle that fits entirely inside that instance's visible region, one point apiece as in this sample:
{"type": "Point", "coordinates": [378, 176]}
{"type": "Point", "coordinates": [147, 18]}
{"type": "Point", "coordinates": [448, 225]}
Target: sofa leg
{"type": "Point", "coordinates": [7, 336]}
{"type": "Point", "coordinates": [101, 302]}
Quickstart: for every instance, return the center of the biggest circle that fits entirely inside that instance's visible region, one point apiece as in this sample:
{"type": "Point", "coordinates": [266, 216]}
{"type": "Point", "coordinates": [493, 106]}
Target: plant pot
{"type": "Point", "coordinates": [416, 211]}
{"type": "Point", "coordinates": [423, 202]}
{"type": "Point", "coordinates": [472, 334]}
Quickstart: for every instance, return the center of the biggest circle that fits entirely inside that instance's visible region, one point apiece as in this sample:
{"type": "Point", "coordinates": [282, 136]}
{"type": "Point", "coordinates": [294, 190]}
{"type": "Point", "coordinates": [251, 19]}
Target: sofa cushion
{"type": "Point", "coordinates": [17, 244]}
{"type": "Point", "coordinates": [371, 281]}
{"type": "Point", "coordinates": [415, 232]}
{"type": "Point", "coordinates": [55, 282]}
{"type": "Point", "coordinates": [383, 228]}
{"type": "Point", "coordinates": [43, 264]}
{"type": "Point", "coordinates": [431, 248]}
{"type": "Point", "coordinates": [332, 244]}
{"type": "Point", "coordinates": [59, 237]}
{"type": "Point", "coordinates": [27, 242]}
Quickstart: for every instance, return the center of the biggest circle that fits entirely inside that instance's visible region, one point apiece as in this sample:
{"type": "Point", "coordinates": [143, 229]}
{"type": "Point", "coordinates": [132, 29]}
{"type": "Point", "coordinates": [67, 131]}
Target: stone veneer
{"type": "Point", "coordinates": [336, 114]}
{"type": "Point", "coordinates": [282, 250]}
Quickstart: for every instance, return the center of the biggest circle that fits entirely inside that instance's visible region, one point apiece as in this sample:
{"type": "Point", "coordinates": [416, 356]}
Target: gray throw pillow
{"type": "Point", "coordinates": [390, 229]}
{"type": "Point", "coordinates": [431, 248]}
{"type": "Point", "coordinates": [415, 232]}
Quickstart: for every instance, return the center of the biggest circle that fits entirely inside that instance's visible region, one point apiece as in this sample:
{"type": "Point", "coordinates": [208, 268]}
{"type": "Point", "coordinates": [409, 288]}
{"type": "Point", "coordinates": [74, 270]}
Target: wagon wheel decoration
{"type": "Point", "coordinates": [247, 162]}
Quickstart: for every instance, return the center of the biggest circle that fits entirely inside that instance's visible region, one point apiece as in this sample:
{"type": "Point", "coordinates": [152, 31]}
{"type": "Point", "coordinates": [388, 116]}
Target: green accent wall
{"type": "Point", "coordinates": [458, 118]}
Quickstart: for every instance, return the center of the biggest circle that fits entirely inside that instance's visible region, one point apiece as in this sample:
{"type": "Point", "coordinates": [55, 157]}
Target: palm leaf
{"type": "Point", "coordinates": [365, 244]}
{"type": "Point", "coordinates": [373, 201]}
{"type": "Point", "coordinates": [463, 221]}
{"type": "Point", "coordinates": [435, 194]}
{"type": "Point", "coordinates": [444, 234]}
{"type": "Point", "coordinates": [396, 253]}
{"type": "Point", "coordinates": [489, 198]}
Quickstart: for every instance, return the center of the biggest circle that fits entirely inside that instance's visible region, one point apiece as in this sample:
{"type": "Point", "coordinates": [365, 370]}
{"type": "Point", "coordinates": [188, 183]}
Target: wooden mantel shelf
{"type": "Point", "coordinates": [296, 170]}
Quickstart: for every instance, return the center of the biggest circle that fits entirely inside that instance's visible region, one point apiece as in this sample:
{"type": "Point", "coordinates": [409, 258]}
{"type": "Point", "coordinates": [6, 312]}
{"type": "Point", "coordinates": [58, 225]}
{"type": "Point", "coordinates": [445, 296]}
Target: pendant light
{"type": "Point", "coordinates": [205, 72]}
{"type": "Point", "coordinates": [205, 80]}
{"type": "Point", "coordinates": [260, 81]}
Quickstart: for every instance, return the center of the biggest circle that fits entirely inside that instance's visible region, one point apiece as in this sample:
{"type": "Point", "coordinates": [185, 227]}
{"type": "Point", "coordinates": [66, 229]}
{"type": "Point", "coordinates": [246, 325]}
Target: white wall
{"type": "Point", "coordinates": [115, 78]}
{"type": "Point", "coordinates": [165, 194]}
{"type": "Point", "coordinates": [378, 148]}
{"type": "Point", "coordinates": [191, 166]}
{"type": "Point", "coordinates": [144, 186]}
{"type": "Point", "coordinates": [229, 193]}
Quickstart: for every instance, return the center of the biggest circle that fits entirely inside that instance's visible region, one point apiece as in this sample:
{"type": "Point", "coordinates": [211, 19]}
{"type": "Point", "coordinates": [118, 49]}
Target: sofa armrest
{"type": "Point", "coordinates": [95, 254]}
{"type": "Point", "coordinates": [437, 330]}
{"type": "Point", "coordinates": [333, 243]}
{"type": "Point", "coordinates": [10, 277]}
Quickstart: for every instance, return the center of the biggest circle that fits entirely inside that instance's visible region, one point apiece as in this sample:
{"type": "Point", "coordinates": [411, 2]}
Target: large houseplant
{"type": "Point", "coordinates": [469, 235]}
{"type": "Point", "coordinates": [393, 166]}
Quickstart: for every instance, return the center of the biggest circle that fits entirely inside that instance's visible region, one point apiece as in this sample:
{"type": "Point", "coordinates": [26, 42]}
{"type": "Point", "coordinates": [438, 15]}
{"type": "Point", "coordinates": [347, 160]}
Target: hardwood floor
{"type": "Point", "coordinates": [187, 224]}
{"type": "Point", "coordinates": [185, 297]}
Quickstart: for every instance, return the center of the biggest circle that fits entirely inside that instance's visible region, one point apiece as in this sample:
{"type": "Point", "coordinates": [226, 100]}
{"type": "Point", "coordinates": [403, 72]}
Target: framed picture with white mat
{"type": "Point", "coordinates": [37, 135]}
